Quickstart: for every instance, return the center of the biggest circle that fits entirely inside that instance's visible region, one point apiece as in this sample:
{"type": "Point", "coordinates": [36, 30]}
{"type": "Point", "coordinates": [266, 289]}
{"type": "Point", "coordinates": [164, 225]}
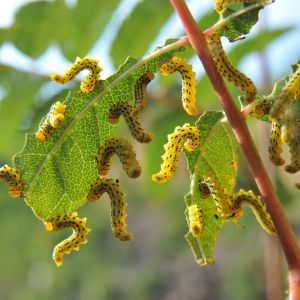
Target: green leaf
{"type": "Point", "coordinates": [216, 156]}
{"type": "Point", "coordinates": [239, 26]}
{"type": "Point", "coordinates": [58, 173]}
{"type": "Point", "coordinates": [138, 31]}
{"type": "Point", "coordinates": [43, 23]}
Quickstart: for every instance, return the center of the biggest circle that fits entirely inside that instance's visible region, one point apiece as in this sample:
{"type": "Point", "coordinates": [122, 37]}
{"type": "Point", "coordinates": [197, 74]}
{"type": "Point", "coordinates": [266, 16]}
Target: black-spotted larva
{"type": "Point", "coordinates": [288, 95]}
{"type": "Point", "coordinates": [258, 207]}
{"type": "Point", "coordinates": [228, 71]}
{"type": "Point", "coordinates": [195, 220]}
{"type": "Point", "coordinates": [132, 122]}
{"type": "Point", "coordinates": [53, 120]}
{"type": "Point", "coordinates": [14, 181]}
{"type": "Point", "coordinates": [291, 136]}
{"type": "Point", "coordinates": [118, 205]}
{"type": "Point", "coordinates": [188, 82]}
{"type": "Point", "coordinates": [219, 195]}
{"type": "Point", "coordinates": [204, 189]}
{"type": "Point", "coordinates": [221, 4]}
{"type": "Point", "coordinates": [89, 82]}
{"type": "Point", "coordinates": [262, 107]}
{"type": "Point", "coordinates": [140, 93]}
{"type": "Point", "coordinates": [275, 145]}
{"type": "Point", "coordinates": [231, 206]}
{"type": "Point", "coordinates": [173, 148]}
{"type": "Point", "coordinates": [125, 152]}
{"type": "Point", "coordinates": [73, 242]}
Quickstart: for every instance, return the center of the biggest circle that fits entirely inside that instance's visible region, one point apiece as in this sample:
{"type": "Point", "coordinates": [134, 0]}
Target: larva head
{"type": "Point", "coordinates": [59, 108]}
{"type": "Point", "coordinates": [92, 197]}
{"type": "Point", "coordinates": [150, 75]}
{"type": "Point", "coordinates": [15, 192]}
{"type": "Point", "coordinates": [40, 136]}
{"type": "Point", "coordinates": [237, 213]}
{"type": "Point", "coordinates": [134, 171]}
{"type": "Point", "coordinates": [56, 77]}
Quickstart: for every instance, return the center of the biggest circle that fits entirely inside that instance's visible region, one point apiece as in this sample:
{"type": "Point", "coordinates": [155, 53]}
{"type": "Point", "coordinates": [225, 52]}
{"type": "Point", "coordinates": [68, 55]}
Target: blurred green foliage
{"type": "Point", "coordinates": [157, 264]}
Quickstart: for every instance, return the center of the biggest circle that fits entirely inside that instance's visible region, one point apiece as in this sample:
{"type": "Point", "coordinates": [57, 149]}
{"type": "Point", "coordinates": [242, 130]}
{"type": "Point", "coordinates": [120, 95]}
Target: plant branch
{"type": "Point", "coordinates": [240, 129]}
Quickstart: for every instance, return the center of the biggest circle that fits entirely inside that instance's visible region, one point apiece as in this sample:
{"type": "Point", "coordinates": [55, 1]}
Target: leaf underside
{"type": "Point", "coordinates": [216, 156]}
{"type": "Point", "coordinates": [58, 173]}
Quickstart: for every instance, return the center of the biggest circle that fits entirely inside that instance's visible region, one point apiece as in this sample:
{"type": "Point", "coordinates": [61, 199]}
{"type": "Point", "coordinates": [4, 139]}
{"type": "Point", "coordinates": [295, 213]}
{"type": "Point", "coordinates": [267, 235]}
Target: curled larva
{"type": "Point", "coordinates": [258, 207]}
{"type": "Point", "coordinates": [204, 189]}
{"type": "Point", "coordinates": [53, 120]}
{"type": "Point", "coordinates": [125, 152]}
{"type": "Point", "coordinates": [262, 107]}
{"type": "Point", "coordinates": [221, 4]}
{"type": "Point", "coordinates": [195, 220]}
{"type": "Point", "coordinates": [118, 205]}
{"type": "Point", "coordinates": [89, 82]}
{"type": "Point", "coordinates": [288, 95]}
{"type": "Point", "coordinates": [173, 148]}
{"type": "Point", "coordinates": [14, 181]}
{"type": "Point", "coordinates": [140, 93]}
{"type": "Point", "coordinates": [219, 195]}
{"type": "Point", "coordinates": [132, 122]}
{"type": "Point", "coordinates": [188, 82]}
{"type": "Point", "coordinates": [228, 71]}
{"type": "Point", "coordinates": [275, 145]}
{"type": "Point", "coordinates": [74, 241]}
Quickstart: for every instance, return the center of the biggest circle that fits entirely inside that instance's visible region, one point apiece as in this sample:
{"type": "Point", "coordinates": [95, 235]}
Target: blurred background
{"type": "Point", "coordinates": [41, 37]}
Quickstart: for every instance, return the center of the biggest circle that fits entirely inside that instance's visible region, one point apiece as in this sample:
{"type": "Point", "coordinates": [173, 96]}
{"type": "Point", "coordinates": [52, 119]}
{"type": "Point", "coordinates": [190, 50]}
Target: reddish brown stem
{"type": "Point", "coordinates": [240, 129]}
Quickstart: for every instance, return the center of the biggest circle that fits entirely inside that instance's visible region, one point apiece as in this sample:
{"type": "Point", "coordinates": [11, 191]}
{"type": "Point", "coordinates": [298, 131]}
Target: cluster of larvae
{"type": "Point", "coordinates": [115, 145]}
{"type": "Point", "coordinates": [281, 111]}
{"type": "Point", "coordinates": [228, 206]}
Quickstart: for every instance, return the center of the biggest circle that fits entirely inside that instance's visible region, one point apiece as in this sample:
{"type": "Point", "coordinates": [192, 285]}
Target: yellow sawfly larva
{"type": "Point", "coordinates": [288, 95]}
{"type": "Point", "coordinates": [275, 144]}
{"type": "Point", "coordinates": [258, 207]}
{"type": "Point", "coordinates": [291, 136]}
{"type": "Point", "coordinates": [89, 82]}
{"type": "Point", "coordinates": [132, 121]}
{"type": "Point", "coordinates": [126, 154]}
{"type": "Point", "coordinates": [73, 242]}
{"type": "Point", "coordinates": [228, 71]}
{"type": "Point", "coordinates": [13, 179]}
{"type": "Point", "coordinates": [118, 205]}
{"type": "Point", "coordinates": [220, 5]}
{"type": "Point", "coordinates": [173, 148]}
{"type": "Point", "coordinates": [294, 147]}
{"type": "Point", "coordinates": [188, 82]}
{"type": "Point", "coordinates": [53, 120]}
{"type": "Point", "coordinates": [219, 195]}
{"type": "Point", "coordinates": [195, 220]}
{"type": "Point", "coordinates": [140, 93]}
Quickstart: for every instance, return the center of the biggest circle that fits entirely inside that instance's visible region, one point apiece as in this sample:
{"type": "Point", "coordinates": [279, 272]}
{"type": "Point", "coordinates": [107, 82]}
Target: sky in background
{"type": "Point", "coordinates": [283, 52]}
